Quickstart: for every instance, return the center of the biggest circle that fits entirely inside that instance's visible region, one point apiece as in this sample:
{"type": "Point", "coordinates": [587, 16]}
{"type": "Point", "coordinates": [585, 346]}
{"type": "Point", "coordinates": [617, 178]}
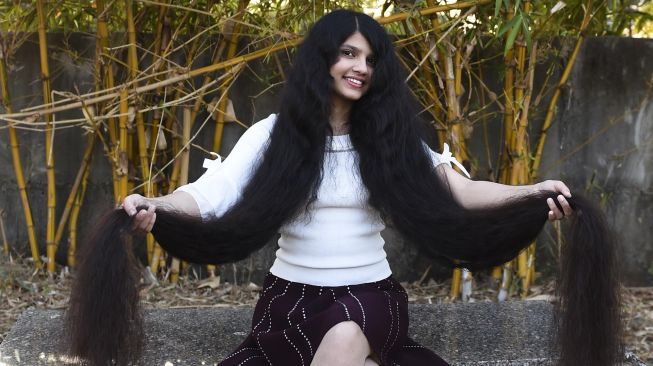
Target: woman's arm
{"type": "Point", "coordinates": [216, 190]}
{"type": "Point", "coordinates": [478, 194]}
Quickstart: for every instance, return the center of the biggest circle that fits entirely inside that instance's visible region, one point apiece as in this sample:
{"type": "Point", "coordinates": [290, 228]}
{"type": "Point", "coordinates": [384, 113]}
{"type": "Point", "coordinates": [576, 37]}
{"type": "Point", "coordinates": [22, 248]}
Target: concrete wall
{"type": "Point", "coordinates": [608, 95]}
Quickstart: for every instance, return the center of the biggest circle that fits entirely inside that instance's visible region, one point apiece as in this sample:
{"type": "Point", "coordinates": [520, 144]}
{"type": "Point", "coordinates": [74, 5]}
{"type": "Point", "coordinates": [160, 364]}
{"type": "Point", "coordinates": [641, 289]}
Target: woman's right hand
{"type": "Point", "coordinates": [143, 219]}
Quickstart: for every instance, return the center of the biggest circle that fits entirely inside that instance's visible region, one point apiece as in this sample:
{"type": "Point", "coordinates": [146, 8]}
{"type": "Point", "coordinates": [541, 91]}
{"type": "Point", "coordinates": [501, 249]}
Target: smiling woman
{"type": "Point", "coordinates": [342, 158]}
{"type": "Point", "coordinates": [352, 71]}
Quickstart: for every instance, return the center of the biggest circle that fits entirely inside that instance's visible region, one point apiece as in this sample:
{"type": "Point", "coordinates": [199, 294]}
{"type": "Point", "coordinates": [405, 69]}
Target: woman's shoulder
{"type": "Point", "coordinates": [261, 130]}
{"type": "Point", "coordinates": [266, 124]}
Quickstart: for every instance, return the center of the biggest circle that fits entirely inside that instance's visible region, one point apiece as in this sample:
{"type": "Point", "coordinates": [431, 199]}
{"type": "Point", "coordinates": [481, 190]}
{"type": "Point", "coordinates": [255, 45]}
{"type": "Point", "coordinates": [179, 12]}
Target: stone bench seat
{"type": "Point", "coordinates": [515, 333]}
{"type": "Point", "coordinates": [510, 333]}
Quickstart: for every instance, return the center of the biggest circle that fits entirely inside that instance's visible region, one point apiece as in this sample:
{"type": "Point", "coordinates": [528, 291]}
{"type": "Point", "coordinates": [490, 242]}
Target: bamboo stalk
{"type": "Point", "coordinates": [505, 158]}
{"type": "Point", "coordinates": [550, 112]}
{"type": "Point", "coordinates": [74, 217]}
{"type": "Point", "coordinates": [457, 138]}
{"type": "Point", "coordinates": [5, 242]}
{"type": "Point", "coordinates": [508, 114]}
{"type": "Point", "coordinates": [123, 160]}
{"type": "Point", "coordinates": [155, 259]}
{"type": "Point", "coordinates": [104, 76]}
{"type": "Point", "coordinates": [455, 283]}
{"type": "Point", "coordinates": [49, 137]}
{"type": "Point", "coordinates": [504, 290]}
{"type": "Point", "coordinates": [231, 52]}
{"type": "Point", "coordinates": [132, 63]}
{"type": "Point", "coordinates": [18, 167]}
{"type": "Point", "coordinates": [432, 10]}
{"type": "Point", "coordinates": [466, 287]}
{"type": "Point", "coordinates": [428, 72]}
{"type": "Point", "coordinates": [520, 171]}
{"type": "Point", "coordinates": [183, 179]}
{"type": "Point", "coordinates": [81, 172]}
{"type": "Point", "coordinates": [519, 145]}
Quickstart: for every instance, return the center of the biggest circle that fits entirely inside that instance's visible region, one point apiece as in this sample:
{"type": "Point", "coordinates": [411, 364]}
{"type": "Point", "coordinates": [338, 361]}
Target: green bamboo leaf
{"type": "Point", "coordinates": [497, 8]}
{"type": "Point", "coordinates": [506, 26]}
{"type": "Point", "coordinates": [513, 35]}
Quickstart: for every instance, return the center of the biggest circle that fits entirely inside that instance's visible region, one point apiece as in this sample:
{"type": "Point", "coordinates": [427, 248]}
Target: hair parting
{"type": "Point", "coordinates": [104, 320]}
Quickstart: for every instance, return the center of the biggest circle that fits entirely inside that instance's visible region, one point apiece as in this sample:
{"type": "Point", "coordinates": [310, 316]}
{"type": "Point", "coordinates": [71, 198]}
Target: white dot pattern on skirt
{"type": "Point", "coordinates": [346, 310]}
{"type": "Point", "coordinates": [310, 347]}
{"type": "Point", "coordinates": [295, 306]}
{"type": "Point", "coordinates": [392, 324]}
{"type": "Point", "coordinates": [267, 311]}
{"type": "Point", "coordinates": [263, 351]}
{"type": "Point", "coordinates": [360, 305]}
{"type": "Point", "coordinates": [293, 346]}
{"type": "Point", "coordinates": [241, 350]}
{"type": "Point", "coordinates": [248, 358]}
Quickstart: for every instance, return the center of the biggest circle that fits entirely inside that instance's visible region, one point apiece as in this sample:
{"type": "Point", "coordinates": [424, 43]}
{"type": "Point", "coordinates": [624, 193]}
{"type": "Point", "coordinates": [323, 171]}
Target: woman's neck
{"type": "Point", "coordinates": [339, 119]}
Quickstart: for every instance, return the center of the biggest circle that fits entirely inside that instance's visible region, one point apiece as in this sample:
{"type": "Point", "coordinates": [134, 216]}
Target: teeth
{"type": "Point", "coordinates": [355, 81]}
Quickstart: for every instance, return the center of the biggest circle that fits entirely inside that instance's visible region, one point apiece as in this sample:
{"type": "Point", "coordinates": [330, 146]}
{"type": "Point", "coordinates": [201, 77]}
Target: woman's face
{"type": "Point", "coordinates": [352, 72]}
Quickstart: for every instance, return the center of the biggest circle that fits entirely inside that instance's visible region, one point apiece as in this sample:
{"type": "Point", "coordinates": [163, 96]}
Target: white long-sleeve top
{"type": "Point", "coordinates": [339, 243]}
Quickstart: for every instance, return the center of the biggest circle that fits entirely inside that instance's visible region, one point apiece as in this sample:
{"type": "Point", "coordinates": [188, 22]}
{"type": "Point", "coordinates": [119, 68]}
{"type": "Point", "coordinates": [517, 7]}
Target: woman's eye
{"type": "Point", "coordinates": [346, 52]}
{"type": "Point", "coordinates": [371, 61]}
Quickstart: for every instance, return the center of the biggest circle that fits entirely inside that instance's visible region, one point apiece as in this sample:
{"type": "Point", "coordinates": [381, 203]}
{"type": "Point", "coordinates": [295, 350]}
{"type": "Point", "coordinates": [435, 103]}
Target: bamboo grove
{"type": "Point", "coordinates": [146, 104]}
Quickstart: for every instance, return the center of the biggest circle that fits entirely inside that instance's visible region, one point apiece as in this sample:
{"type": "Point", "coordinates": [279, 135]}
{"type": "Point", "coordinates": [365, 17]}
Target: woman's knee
{"type": "Point", "coordinates": [370, 362]}
{"type": "Point", "coordinates": [347, 330]}
{"type": "Point", "coordinates": [347, 335]}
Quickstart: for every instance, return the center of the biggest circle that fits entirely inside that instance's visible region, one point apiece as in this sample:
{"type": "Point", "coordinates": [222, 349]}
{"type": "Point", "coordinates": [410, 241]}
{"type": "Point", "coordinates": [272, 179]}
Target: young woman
{"type": "Point", "coordinates": [342, 158]}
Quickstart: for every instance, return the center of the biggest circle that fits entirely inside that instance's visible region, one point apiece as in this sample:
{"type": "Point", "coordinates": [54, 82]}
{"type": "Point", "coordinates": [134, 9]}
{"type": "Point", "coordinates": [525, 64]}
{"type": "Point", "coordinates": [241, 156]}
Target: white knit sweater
{"type": "Point", "coordinates": [339, 243]}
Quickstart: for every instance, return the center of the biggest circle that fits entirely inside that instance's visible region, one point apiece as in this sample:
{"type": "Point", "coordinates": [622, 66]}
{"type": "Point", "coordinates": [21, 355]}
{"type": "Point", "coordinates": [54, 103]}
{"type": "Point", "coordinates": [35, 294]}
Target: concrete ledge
{"type": "Point", "coordinates": [489, 334]}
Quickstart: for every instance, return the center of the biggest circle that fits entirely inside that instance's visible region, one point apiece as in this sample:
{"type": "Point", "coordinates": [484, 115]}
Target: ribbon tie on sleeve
{"type": "Point", "coordinates": [447, 157]}
{"type": "Point", "coordinates": [210, 164]}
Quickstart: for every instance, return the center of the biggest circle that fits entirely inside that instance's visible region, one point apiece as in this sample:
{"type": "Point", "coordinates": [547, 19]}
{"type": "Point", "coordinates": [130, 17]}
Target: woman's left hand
{"type": "Point", "coordinates": [556, 186]}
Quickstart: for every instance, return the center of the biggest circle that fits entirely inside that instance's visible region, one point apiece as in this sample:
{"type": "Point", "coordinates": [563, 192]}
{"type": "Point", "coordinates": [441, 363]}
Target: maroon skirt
{"type": "Point", "coordinates": [290, 320]}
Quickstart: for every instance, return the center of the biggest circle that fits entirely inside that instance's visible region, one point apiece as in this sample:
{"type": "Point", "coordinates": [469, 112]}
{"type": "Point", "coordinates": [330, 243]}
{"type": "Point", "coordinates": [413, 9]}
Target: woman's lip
{"type": "Point", "coordinates": [352, 84]}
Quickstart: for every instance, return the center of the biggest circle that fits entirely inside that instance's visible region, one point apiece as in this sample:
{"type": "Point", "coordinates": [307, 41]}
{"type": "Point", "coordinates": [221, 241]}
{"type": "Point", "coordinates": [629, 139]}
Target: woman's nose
{"type": "Point", "coordinates": [360, 65]}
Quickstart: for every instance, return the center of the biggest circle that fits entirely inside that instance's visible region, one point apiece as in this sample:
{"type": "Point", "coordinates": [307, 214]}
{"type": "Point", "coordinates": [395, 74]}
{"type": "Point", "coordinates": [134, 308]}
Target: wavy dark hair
{"type": "Point", "coordinates": [404, 187]}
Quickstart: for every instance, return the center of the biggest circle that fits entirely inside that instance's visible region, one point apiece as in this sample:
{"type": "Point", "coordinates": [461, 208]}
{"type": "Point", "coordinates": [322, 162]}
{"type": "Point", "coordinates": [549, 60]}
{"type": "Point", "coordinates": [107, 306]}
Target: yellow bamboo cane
{"type": "Point", "coordinates": [123, 160]}
{"type": "Point", "coordinates": [561, 83]}
{"type": "Point", "coordinates": [455, 129]}
{"type": "Point", "coordinates": [505, 158]}
{"type": "Point", "coordinates": [5, 242]}
{"type": "Point", "coordinates": [508, 115]}
{"type": "Point", "coordinates": [519, 144]}
{"type": "Point", "coordinates": [183, 179]}
{"type": "Point", "coordinates": [49, 134]}
{"type": "Point", "coordinates": [81, 172]}
{"type": "Point", "coordinates": [132, 63]}
{"type": "Point", "coordinates": [231, 52]}
{"type": "Point", "coordinates": [74, 218]}
{"type": "Point", "coordinates": [429, 75]}
{"type": "Point", "coordinates": [18, 167]}
{"type": "Point", "coordinates": [162, 44]}
{"type": "Point", "coordinates": [104, 76]}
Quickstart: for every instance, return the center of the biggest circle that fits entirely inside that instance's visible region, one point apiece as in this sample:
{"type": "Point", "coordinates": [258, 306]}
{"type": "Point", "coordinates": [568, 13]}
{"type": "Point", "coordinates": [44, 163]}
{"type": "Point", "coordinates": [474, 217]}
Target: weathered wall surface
{"type": "Point", "coordinates": [603, 133]}
{"type": "Point", "coordinates": [609, 104]}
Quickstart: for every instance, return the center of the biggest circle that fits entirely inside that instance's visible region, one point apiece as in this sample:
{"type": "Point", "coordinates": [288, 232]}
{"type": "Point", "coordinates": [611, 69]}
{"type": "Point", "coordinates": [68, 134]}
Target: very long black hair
{"type": "Point", "coordinates": [404, 187]}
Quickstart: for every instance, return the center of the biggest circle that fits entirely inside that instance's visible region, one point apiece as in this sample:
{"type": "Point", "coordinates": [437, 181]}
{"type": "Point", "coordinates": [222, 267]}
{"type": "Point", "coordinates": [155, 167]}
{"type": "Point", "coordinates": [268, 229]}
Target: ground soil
{"type": "Point", "coordinates": [22, 286]}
